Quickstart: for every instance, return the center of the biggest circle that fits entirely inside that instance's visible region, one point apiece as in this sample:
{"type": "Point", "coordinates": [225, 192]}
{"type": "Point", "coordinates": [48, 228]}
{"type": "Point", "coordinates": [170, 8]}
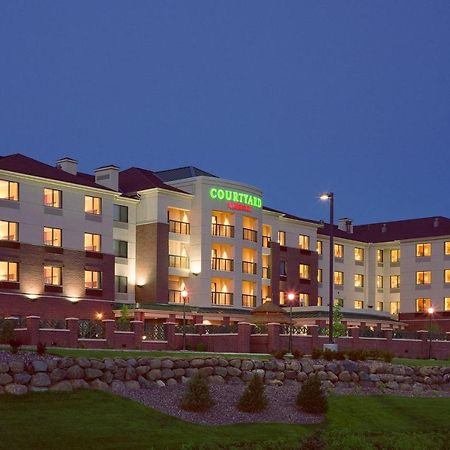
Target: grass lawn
{"type": "Point", "coordinates": [422, 362]}
{"type": "Point", "coordinates": [101, 421]}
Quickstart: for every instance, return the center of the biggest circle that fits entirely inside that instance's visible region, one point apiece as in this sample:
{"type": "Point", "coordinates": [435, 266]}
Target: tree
{"type": "Point", "coordinates": [339, 328]}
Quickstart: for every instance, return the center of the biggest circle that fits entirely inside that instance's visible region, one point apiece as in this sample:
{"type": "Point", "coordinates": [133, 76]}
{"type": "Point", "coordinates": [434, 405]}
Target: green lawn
{"type": "Point", "coordinates": [101, 421]}
{"type": "Point", "coordinates": [422, 362]}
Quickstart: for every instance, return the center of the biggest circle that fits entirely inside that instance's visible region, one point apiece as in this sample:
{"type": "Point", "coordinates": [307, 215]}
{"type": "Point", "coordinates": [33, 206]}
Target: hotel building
{"type": "Point", "coordinates": [80, 245]}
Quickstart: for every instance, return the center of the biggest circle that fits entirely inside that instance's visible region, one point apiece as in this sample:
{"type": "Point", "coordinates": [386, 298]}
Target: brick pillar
{"type": "Point", "coordinates": [139, 315]}
{"type": "Point", "coordinates": [199, 328]}
{"type": "Point", "coordinates": [169, 328]}
{"type": "Point", "coordinates": [33, 329]}
{"type": "Point", "coordinates": [423, 336]}
{"type": "Point", "coordinates": [226, 320]}
{"type": "Point", "coordinates": [388, 333]}
{"type": "Point", "coordinates": [345, 323]}
{"type": "Point", "coordinates": [72, 326]}
{"type": "Point", "coordinates": [354, 333]}
{"type": "Point", "coordinates": [378, 326]}
{"type": "Point", "coordinates": [362, 325]}
{"type": "Point", "coordinates": [321, 323]}
{"type": "Point", "coordinates": [137, 326]}
{"type": "Point", "coordinates": [198, 319]}
{"type": "Point", "coordinates": [244, 332]}
{"type": "Point", "coordinates": [273, 337]}
{"type": "Point", "coordinates": [172, 318]}
{"type": "Point", "coordinates": [109, 326]}
{"type": "Point", "coordinates": [313, 331]}
{"type": "Point", "coordinates": [447, 336]}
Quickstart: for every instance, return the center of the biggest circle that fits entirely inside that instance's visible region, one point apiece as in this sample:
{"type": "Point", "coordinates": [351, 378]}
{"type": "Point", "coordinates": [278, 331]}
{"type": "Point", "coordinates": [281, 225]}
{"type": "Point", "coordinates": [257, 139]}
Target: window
{"type": "Point", "coordinates": [282, 297]}
{"type": "Point", "coordinates": [9, 231]}
{"type": "Point", "coordinates": [395, 256]}
{"type": "Point", "coordinates": [121, 249]}
{"type": "Point", "coordinates": [423, 277]}
{"type": "Point", "coordinates": [359, 280]}
{"type": "Point", "coordinates": [92, 242]}
{"type": "Point", "coordinates": [92, 205]}
{"type": "Point", "coordinates": [422, 304]}
{"type": "Point", "coordinates": [303, 299]}
{"type": "Point", "coordinates": [358, 304]}
{"type": "Point", "coordinates": [304, 271]}
{"type": "Point", "coordinates": [447, 276]}
{"type": "Point", "coordinates": [282, 238]}
{"type": "Point", "coordinates": [447, 248]}
{"type": "Point", "coordinates": [359, 254]}
{"type": "Point", "coordinates": [338, 302]}
{"type": "Point", "coordinates": [9, 271]}
{"type": "Point", "coordinates": [319, 275]}
{"type": "Point", "coordinates": [52, 198]}
{"type": "Point", "coordinates": [447, 304]}
{"type": "Point", "coordinates": [380, 256]}
{"type": "Point", "coordinates": [394, 308]}
{"type": "Point", "coordinates": [52, 276]}
{"type": "Point", "coordinates": [380, 306]}
{"type": "Point", "coordinates": [338, 251]}
{"type": "Point", "coordinates": [92, 279]}
{"type": "Point", "coordinates": [121, 213]}
{"type": "Point", "coordinates": [423, 250]}
{"type": "Point", "coordinates": [283, 268]}
{"type": "Point", "coordinates": [395, 281]}
{"type": "Point", "coordinates": [9, 190]}
{"type": "Point", "coordinates": [121, 284]}
{"type": "Point", "coordinates": [339, 278]}
{"type": "Point", "coordinates": [379, 281]}
{"type": "Point", "coordinates": [319, 301]}
{"type": "Point", "coordinates": [52, 237]}
{"type": "Point", "coordinates": [303, 242]}
{"type": "Point", "coordinates": [319, 247]}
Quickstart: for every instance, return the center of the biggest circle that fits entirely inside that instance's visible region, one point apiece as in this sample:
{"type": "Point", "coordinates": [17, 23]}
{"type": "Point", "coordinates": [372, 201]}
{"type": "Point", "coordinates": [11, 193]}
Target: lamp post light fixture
{"type": "Point", "coordinates": [291, 298]}
{"type": "Point", "coordinates": [330, 197]}
{"type": "Point", "coordinates": [184, 294]}
{"type": "Point", "coordinates": [430, 312]}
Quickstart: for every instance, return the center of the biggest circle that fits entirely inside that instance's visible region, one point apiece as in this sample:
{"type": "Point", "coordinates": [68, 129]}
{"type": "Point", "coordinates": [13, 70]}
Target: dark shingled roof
{"type": "Point", "coordinates": [392, 231]}
{"type": "Point", "coordinates": [19, 163]}
{"type": "Point", "coordinates": [181, 173]}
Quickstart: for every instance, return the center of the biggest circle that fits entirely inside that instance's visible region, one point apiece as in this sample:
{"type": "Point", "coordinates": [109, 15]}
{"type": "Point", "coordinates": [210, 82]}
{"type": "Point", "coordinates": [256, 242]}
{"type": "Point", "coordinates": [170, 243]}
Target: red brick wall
{"type": "Point", "coordinates": [420, 321]}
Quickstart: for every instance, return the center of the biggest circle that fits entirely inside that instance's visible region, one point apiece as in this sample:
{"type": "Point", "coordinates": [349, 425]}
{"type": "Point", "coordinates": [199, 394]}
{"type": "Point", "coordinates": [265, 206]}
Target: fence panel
{"type": "Point", "coordinates": [154, 332]}
{"type": "Point", "coordinates": [90, 329]}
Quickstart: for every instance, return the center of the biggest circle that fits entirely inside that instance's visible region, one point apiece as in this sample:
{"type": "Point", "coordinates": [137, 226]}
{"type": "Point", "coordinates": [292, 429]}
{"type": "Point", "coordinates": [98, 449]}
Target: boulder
{"type": "Point", "coordinates": [235, 380]}
{"type": "Point", "coordinates": [40, 379]}
{"type": "Point", "coordinates": [130, 373]}
{"type": "Point", "coordinates": [280, 365]}
{"type": "Point", "coordinates": [132, 384]}
{"type": "Point", "coordinates": [302, 376]}
{"type": "Point", "coordinates": [270, 375]}
{"type": "Point", "coordinates": [92, 374]}
{"type": "Point", "coordinates": [39, 366]}
{"type": "Point", "coordinates": [223, 362]}
{"type": "Point", "coordinates": [75, 373]}
{"type": "Point", "coordinates": [153, 375]}
{"type": "Point", "coordinates": [322, 375]}
{"type": "Point", "coordinates": [4, 367]}
{"type": "Point", "coordinates": [293, 364]}
{"type": "Point", "coordinates": [16, 366]}
{"type": "Point", "coordinates": [235, 363]}
{"type": "Point", "coordinates": [332, 376]}
{"type": "Point", "coordinates": [211, 362]}
{"type": "Point", "coordinates": [167, 364]}
{"type": "Point", "coordinates": [96, 364]}
{"type": "Point", "coordinates": [119, 374]}
{"type": "Point", "coordinates": [221, 371]}
{"type": "Point", "coordinates": [109, 364]}
{"type": "Point", "coordinates": [62, 386]}
{"type": "Point", "coordinates": [117, 386]}
{"type": "Point", "coordinates": [216, 379]}
{"type": "Point", "coordinates": [393, 385]}
{"type": "Point", "coordinates": [171, 382]}
{"type": "Point", "coordinates": [246, 375]}
{"type": "Point", "coordinates": [307, 367]}
{"type": "Point", "coordinates": [37, 389]}
{"type": "Point", "coordinates": [160, 384]}
{"type": "Point", "coordinates": [258, 364]}
{"type": "Point", "coordinates": [234, 371]}
{"type": "Point", "coordinates": [132, 362]}
{"type": "Point", "coordinates": [142, 370]}
{"type": "Point", "coordinates": [22, 378]}
{"type": "Point", "coordinates": [191, 371]}
{"type": "Point", "coordinates": [79, 384]}
{"type": "Point", "coordinates": [144, 383]}
{"type": "Point", "coordinates": [206, 371]}
{"type": "Point", "coordinates": [99, 385]}
{"type": "Point", "coordinates": [167, 373]}
{"type": "Point", "coordinates": [274, 383]}
{"type": "Point", "coordinates": [107, 377]}
{"type": "Point", "coordinates": [57, 375]}
{"type": "Point", "coordinates": [83, 362]}
{"type": "Point", "coordinates": [119, 362]}
{"type": "Point", "coordinates": [197, 363]}
{"type": "Point", "coordinates": [66, 362]}
{"type": "Point", "coordinates": [181, 364]}
{"type": "Point", "coordinates": [5, 379]}
{"type": "Point", "coordinates": [290, 374]}
{"type": "Point", "coordinates": [247, 365]}
{"type": "Point", "coordinates": [16, 389]}
{"type": "Point", "coordinates": [345, 376]}
{"type": "Point", "coordinates": [177, 373]}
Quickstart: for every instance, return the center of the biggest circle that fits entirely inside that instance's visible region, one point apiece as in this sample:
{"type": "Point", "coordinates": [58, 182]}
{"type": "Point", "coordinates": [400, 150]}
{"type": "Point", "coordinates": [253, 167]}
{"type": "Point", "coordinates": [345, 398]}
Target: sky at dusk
{"type": "Point", "coordinates": [295, 97]}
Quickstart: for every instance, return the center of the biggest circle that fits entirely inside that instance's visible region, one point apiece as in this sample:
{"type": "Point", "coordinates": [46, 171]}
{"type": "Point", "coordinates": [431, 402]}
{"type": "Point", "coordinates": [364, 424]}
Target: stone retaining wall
{"type": "Point", "coordinates": [67, 374]}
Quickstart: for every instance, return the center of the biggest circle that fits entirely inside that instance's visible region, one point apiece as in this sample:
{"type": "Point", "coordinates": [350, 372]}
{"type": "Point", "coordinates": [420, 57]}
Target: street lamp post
{"type": "Point", "coordinates": [330, 196]}
{"type": "Point", "coordinates": [184, 294]}
{"type": "Point", "coordinates": [430, 317]}
{"type": "Point", "coordinates": [291, 297]}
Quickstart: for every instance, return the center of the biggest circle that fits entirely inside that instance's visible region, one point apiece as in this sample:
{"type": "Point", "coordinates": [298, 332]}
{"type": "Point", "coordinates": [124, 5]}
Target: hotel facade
{"type": "Point", "coordinates": [83, 245]}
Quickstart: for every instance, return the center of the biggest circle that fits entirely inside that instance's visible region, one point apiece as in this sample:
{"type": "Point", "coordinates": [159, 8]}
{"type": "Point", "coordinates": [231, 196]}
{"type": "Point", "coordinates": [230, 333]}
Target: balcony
{"type": "Point", "coordinates": [249, 235]}
{"type": "Point", "coordinates": [175, 296]}
{"type": "Point", "coordinates": [179, 262]}
{"type": "Point", "coordinates": [223, 264]}
{"type": "Point", "coordinates": [249, 301]}
{"type": "Point", "coordinates": [266, 273]}
{"type": "Point", "coordinates": [175, 226]}
{"type": "Point", "coordinates": [249, 267]}
{"type": "Point", "coordinates": [221, 298]}
{"type": "Point", "coordinates": [218, 229]}
{"type": "Point", "coordinates": [266, 241]}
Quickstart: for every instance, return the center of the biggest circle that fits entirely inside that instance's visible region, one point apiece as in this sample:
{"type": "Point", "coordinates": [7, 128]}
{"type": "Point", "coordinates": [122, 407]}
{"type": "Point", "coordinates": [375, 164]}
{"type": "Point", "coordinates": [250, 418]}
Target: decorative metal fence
{"type": "Point", "coordinates": [296, 330]}
{"type": "Point", "coordinates": [154, 332]}
{"type": "Point", "coordinates": [90, 329]}
{"type": "Point", "coordinates": [54, 324]}
{"type": "Point", "coordinates": [188, 329]}
{"type": "Point", "coordinates": [259, 329]}
{"type": "Point", "coordinates": [220, 329]}
{"type": "Point", "coordinates": [367, 332]}
{"type": "Point", "coordinates": [123, 325]}
{"type": "Point", "coordinates": [403, 334]}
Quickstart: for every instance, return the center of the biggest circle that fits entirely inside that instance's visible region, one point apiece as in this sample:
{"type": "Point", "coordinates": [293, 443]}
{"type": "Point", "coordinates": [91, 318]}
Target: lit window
{"type": "Point", "coordinates": [380, 256]}
{"type": "Point", "coordinates": [283, 268]}
{"type": "Point", "coordinates": [303, 242]}
{"type": "Point", "coordinates": [358, 304]}
{"type": "Point", "coordinates": [422, 304]}
{"type": "Point", "coordinates": [338, 251]}
{"type": "Point", "coordinates": [339, 278]}
{"type": "Point", "coordinates": [52, 198]}
{"type": "Point", "coordinates": [121, 213]}
{"type": "Point", "coordinates": [92, 205]}
{"type": "Point", "coordinates": [9, 190]}
{"type": "Point", "coordinates": [394, 308]}
{"type": "Point", "coordinates": [282, 297]}
{"type": "Point", "coordinates": [338, 302]}
{"type": "Point", "coordinates": [319, 301]}
{"type": "Point", "coordinates": [395, 256]}
{"type": "Point", "coordinates": [92, 242]}
{"type": "Point", "coordinates": [395, 281]}
{"type": "Point", "coordinates": [92, 279]}
{"type": "Point", "coordinates": [303, 299]}
{"type": "Point", "coordinates": [359, 254]}
{"type": "Point", "coordinates": [121, 283]}
{"type": "Point", "coordinates": [447, 248]}
{"type": "Point", "coordinates": [319, 247]}
{"type": "Point", "coordinates": [359, 280]}
{"type": "Point", "coordinates": [121, 249]}
{"type": "Point", "coordinates": [304, 271]}
{"type": "Point", "coordinates": [447, 276]}
{"type": "Point", "coordinates": [379, 281]}
{"type": "Point", "coordinates": [282, 238]}
{"type": "Point", "coordinates": [380, 306]}
{"type": "Point", "coordinates": [9, 231]}
{"type": "Point", "coordinates": [9, 271]}
{"type": "Point", "coordinates": [423, 277]}
{"type": "Point", "coordinates": [319, 275]}
{"type": "Point", "coordinates": [447, 304]}
{"type": "Point", "coordinates": [423, 250]}
{"type": "Point", "coordinates": [52, 276]}
{"type": "Point", "coordinates": [52, 237]}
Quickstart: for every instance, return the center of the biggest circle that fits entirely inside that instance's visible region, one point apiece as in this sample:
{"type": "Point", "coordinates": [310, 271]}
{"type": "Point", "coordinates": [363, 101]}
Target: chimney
{"type": "Point", "coordinates": [346, 225]}
{"type": "Point", "coordinates": [108, 176]}
{"type": "Point", "coordinates": [436, 222]}
{"type": "Point", "coordinates": [68, 165]}
{"type": "Point", "coordinates": [384, 228]}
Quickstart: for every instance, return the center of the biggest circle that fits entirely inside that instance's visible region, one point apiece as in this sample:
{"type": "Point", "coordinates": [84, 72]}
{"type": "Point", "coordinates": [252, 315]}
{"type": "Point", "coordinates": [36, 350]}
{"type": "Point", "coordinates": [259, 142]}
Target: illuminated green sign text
{"type": "Point", "coordinates": [235, 197]}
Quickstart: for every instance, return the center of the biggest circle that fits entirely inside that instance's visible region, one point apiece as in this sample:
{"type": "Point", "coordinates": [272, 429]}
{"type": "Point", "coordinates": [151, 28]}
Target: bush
{"type": "Point", "coordinates": [279, 354]}
{"type": "Point", "coordinates": [196, 396]}
{"type": "Point", "coordinates": [316, 353]}
{"type": "Point", "coordinates": [357, 355]}
{"type": "Point", "coordinates": [6, 331]}
{"type": "Point", "coordinates": [41, 348]}
{"type": "Point", "coordinates": [254, 398]}
{"type": "Point", "coordinates": [387, 356]}
{"type": "Point", "coordinates": [298, 354]}
{"type": "Point", "coordinates": [311, 397]}
{"type": "Point", "coordinates": [201, 347]}
{"type": "Point", "coordinates": [329, 355]}
{"type": "Point", "coordinates": [15, 344]}
{"type": "Point", "coordinates": [340, 356]}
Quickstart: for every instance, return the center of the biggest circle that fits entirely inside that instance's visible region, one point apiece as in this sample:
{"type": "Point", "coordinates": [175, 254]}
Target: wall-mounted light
{"type": "Point", "coordinates": [32, 296]}
{"type": "Point", "coordinates": [99, 316]}
{"type": "Point", "coordinates": [73, 299]}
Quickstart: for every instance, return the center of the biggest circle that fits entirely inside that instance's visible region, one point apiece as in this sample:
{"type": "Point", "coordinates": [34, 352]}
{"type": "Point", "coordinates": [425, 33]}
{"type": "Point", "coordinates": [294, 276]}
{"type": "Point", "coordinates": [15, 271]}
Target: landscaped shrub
{"type": "Point", "coordinates": [329, 355]}
{"type": "Point", "coordinates": [298, 354]}
{"type": "Point", "coordinates": [15, 344]}
{"type": "Point", "coordinates": [201, 347]}
{"type": "Point", "coordinates": [357, 355]}
{"type": "Point", "coordinates": [316, 353]}
{"type": "Point", "coordinates": [197, 396]}
{"type": "Point", "coordinates": [254, 398]}
{"type": "Point", "coordinates": [340, 355]}
{"type": "Point", "coordinates": [279, 354]}
{"type": "Point", "coordinates": [387, 356]}
{"type": "Point", "coordinates": [41, 348]}
{"type": "Point", "coordinates": [311, 397]}
{"type": "Point", "coordinates": [6, 331]}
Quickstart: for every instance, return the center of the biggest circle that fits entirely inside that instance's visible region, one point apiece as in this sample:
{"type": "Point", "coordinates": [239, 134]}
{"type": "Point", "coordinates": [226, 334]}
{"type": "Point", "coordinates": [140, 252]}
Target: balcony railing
{"type": "Point", "coordinates": [266, 273]}
{"type": "Point", "coordinates": [179, 262]}
{"type": "Point", "coordinates": [266, 241]}
{"type": "Point", "coordinates": [222, 298]}
{"type": "Point", "coordinates": [249, 267]}
{"type": "Point", "coordinates": [175, 226]}
{"type": "Point", "coordinates": [224, 264]}
{"type": "Point", "coordinates": [218, 229]}
{"type": "Point", "coordinates": [249, 235]}
{"type": "Point", "coordinates": [175, 296]}
{"type": "Point", "coordinates": [249, 301]}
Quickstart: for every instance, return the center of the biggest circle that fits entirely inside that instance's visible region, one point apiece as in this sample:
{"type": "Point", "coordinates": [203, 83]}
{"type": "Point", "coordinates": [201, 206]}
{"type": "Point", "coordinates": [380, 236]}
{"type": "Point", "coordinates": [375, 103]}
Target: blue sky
{"type": "Point", "coordinates": [295, 97]}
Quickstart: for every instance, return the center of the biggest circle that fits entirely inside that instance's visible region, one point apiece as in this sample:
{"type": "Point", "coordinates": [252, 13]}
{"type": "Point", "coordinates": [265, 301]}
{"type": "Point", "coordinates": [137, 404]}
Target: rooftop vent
{"type": "Point", "coordinates": [108, 176]}
{"type": "Point", "coordinates": [346, 225]}
{"type": "Point", "coordinates": [68, 165]}
{"type": "Point", "coordinates": [436, 222]}
{"type": "Point", "coordinates": [384, 228]}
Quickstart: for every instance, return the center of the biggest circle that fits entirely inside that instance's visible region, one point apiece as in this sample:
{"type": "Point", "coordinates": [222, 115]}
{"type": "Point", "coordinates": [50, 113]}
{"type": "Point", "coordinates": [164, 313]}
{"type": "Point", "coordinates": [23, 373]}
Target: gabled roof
{"type": "Point", "coordinates": [181, 173]}
{"type": "Point", "coordinates": [136, 179]}
{"type": "Point", "coordinates": [22, 164]}
{"type": "Point", "coordinates": [290, 216]}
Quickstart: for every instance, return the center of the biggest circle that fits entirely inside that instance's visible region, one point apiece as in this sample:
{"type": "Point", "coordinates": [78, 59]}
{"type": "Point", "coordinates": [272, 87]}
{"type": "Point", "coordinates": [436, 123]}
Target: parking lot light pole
{"type": "Point", "coordinates": [291, 297]}
{"type": "Point", "coordinates": [184, 294]}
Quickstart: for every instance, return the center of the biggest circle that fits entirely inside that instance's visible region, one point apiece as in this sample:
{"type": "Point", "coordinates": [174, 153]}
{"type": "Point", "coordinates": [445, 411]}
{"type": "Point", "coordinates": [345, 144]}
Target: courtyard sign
{"type": "Point", "coordinates": [236, 200]}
